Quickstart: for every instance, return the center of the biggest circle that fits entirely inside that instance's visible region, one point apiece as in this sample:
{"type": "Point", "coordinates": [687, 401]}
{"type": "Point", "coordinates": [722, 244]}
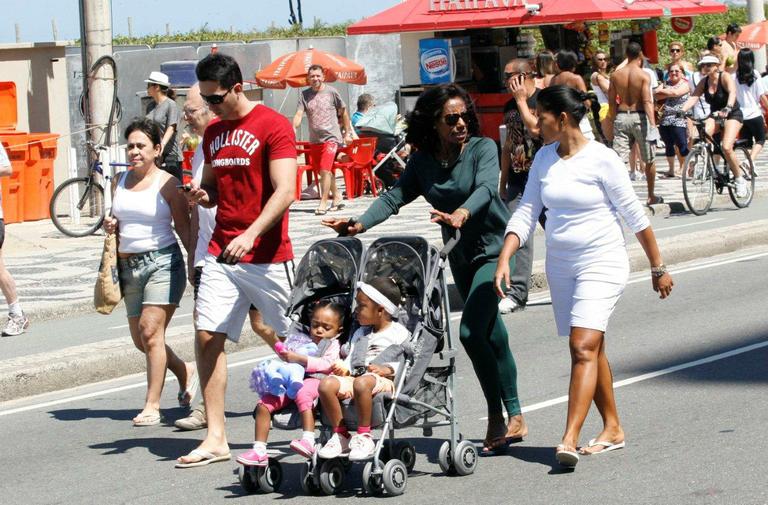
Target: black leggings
{"type": "Point", "coordinates": [754, 129]}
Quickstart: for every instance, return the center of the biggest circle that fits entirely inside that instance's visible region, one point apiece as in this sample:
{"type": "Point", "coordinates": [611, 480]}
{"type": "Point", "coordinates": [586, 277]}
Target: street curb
{"type": "Point", "coordinates": [75, 366]}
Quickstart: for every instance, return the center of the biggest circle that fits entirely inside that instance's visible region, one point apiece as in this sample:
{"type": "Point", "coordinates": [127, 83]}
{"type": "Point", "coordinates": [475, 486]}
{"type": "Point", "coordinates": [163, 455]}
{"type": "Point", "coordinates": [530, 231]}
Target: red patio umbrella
{"type": "Point", "coordinates": [291, 69]}
{"type": "Point", "coordinates": [753, 36]}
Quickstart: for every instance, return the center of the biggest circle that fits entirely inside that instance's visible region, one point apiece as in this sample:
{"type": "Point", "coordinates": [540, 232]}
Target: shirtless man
{"type": "Point", "coordinates": [566, 65]}
{"type": "Point", "coordinates": [633, 120]}
{"type": "Point", "coordinates": [728, 48]}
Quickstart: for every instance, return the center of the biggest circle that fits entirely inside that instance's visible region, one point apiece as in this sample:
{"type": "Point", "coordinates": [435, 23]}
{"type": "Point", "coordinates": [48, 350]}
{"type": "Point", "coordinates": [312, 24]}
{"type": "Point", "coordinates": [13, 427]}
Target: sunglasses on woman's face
{"type": "Point", "coordinates": [674, 50]}
{"type": "Point", "coordinates": [215, 99]}
{"type": "Point", "coordinates": [453, 119]}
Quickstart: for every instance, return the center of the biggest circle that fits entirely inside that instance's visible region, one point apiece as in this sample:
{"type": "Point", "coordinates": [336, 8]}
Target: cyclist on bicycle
{"type": "Point", "coordinates": [719, 91]}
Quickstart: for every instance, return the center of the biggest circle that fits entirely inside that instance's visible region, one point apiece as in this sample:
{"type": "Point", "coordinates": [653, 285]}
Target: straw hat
{"type": "Point", "coordinates": [158, 78]}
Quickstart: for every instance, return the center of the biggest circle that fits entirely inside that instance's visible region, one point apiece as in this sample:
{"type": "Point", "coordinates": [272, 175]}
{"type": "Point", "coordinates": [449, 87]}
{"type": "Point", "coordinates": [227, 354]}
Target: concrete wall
{"type": "Point", "coordinates": [40, 73]}
{"type": "Point", "coordinates": [380, 56]}
{"type": "Point", "coordinates": [409, 43]}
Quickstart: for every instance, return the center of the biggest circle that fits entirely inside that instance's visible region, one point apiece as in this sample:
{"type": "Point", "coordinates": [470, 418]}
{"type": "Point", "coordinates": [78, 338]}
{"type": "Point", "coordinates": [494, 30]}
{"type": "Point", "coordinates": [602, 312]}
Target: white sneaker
{"type": "Point", "coordinates": [508, 305]}
{"type": "Point", "coordinates": [338, 445]}
{"type": "Point", "coordinates": [742, 190]}
{"type": "Point", "coordinates": [16, 325]}
{"type": "Point", "coordinates": [361, 447]}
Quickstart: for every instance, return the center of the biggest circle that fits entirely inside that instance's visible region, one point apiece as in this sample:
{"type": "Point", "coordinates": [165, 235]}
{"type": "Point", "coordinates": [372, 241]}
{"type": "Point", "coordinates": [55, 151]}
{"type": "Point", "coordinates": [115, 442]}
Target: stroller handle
{"type": "Point", "coordinates": [448, 246]}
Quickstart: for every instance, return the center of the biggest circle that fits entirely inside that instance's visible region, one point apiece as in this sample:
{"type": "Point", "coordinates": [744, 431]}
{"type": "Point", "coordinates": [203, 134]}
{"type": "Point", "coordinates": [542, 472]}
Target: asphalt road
{"type": "Point", "coordinates": [85, 328]}
{"type": "Point", "coordinates": [692, 371]}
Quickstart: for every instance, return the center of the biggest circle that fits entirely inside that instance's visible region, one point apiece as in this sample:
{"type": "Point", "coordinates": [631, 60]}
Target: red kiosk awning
{"type": "Point", "coordinates": [441, 15]}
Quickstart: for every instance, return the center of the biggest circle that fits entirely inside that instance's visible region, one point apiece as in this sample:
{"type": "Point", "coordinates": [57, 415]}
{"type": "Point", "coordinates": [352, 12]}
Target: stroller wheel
{"type": "Point", "coordinates": [371, 483]}
{"type": "Point", "coordinates": [309, 483]}
{"type": "Point", "coordinates": [445, 459]}
{"type": "Point", "coordinates": [270, 477]}
{"type": "Point", "coordinates": [405, 452]}
{"type": "Point", "coordinates": [247, 479]}
{"type": "Point", "coordinates": [395, 477]}
{"type": "Point", "coordinates": [466, 458]}
{"type": "Point", "coordinates": [332, 474]}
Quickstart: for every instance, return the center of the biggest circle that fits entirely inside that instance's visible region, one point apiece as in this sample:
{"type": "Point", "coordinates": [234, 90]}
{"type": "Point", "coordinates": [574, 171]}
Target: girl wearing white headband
{"type": "Point", "coordinates": [357, 375]}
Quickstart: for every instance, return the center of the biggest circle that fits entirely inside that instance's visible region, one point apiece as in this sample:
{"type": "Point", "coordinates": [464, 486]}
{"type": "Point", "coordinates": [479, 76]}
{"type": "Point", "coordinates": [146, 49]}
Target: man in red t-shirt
{"type": "Point", "coordinates": [250, 173]}
{"type": "Point", "coordinates": [324, 108]}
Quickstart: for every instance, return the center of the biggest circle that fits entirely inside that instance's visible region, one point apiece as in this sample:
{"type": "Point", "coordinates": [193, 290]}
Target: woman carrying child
{"type": "Point", "coordinates": [457, 172]}
{"type": "Point", "coordinates": [326, 324]}
{"type": "Point", "coordinates": [357, 376]}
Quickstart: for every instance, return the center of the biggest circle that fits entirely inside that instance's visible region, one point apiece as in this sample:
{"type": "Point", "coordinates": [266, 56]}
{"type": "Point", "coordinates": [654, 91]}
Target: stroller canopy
{"type": "Point", "coordinates": [329, 268]}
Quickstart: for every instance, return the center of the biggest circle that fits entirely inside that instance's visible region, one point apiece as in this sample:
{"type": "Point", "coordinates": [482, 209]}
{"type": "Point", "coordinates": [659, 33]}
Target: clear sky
{"type": "Point", "coordinates": [150, 16]}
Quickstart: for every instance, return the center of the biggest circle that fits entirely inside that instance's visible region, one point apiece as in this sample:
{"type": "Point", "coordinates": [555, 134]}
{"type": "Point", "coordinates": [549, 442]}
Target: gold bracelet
{"type": "Point", "coordinates": [464, 211]}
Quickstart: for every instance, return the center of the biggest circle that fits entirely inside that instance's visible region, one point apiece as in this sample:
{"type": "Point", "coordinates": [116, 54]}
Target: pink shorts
{"type": "Point", "coordinates": [305, 398]}
{"type": "Point", "coordinates": [346, 385]}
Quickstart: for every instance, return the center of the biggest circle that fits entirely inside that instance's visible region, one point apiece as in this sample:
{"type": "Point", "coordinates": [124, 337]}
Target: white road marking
{"type": "Point", "coordinates": [530, 408]}
{"type": "Point", "coordinates": [697, 223]}
{"type": "Point", "coordinates": [123, 326]}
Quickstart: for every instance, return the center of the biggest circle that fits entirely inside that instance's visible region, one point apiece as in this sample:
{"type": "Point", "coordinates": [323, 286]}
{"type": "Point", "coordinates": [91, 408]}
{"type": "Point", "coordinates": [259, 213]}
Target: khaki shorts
{"type": "Point", "coordinates": [630, 128]}
{"type": "Point", "coordinates": [346, 389]}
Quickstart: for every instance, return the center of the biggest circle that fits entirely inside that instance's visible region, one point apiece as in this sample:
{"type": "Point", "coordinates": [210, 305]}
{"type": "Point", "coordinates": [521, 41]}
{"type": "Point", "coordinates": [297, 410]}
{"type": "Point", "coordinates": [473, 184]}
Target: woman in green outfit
{"type": "Point", "coordinates": [457, 172]}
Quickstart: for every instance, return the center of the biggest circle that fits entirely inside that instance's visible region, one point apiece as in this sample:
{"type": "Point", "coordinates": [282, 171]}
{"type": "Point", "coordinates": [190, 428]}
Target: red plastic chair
{"type": "Point", "coordinates": [360, 168]}
{"type": "Point", "coordinates": [311, 160]}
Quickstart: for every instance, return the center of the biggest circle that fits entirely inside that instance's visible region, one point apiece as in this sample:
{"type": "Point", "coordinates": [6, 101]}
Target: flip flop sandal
{"type": "Point", "coordinates": [320, 212]}
{"type": "Point", "coordinates": [148, 420]}
{"type": "Point", "coordinates": [496, 447]}
{"type": "Point", "coordinates": [568, 459]}
{"type": "Point", "coordinates": [206, 458]}
{"type": "Point", "coordinates": [606, 445]}
{"type": "Point", "coordinates": [338, 206]}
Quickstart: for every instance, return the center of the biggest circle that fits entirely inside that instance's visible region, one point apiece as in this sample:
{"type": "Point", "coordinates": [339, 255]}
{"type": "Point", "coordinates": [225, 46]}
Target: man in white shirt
{"type": "Point", "coordinates": [198, 116]}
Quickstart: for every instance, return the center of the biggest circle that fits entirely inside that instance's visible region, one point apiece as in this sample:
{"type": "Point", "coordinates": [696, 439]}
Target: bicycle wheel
{"type": "Point", "coordinates": [77, 207]}
{"type": "Point", "coordinates": [748, 172]}
{"type": "Point", "coordinates": [698, 184]}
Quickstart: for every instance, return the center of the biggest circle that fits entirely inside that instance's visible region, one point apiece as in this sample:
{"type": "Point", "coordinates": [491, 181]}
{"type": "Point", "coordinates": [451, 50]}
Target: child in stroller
{"type": "Point", "coordinates": [357, 377]}
{"type": "Point", "coordinates": [267, 379]}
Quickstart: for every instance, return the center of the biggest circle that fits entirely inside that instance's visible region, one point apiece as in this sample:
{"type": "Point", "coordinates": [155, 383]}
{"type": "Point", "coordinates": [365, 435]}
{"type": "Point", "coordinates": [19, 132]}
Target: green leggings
{"type": "Point", "coordinates": [484, 337]}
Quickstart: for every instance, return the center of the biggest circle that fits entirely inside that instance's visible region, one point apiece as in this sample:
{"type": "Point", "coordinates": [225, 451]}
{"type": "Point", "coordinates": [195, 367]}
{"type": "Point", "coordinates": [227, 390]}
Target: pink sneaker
{"type": "Point", "coordinates": [253, 458]}
{"type": "Point", "coordinates": [303, 446]}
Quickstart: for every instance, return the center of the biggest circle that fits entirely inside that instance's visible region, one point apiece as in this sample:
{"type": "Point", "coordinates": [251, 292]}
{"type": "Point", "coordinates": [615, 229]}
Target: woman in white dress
{"type": "Point", "coordinates": [584, 187]}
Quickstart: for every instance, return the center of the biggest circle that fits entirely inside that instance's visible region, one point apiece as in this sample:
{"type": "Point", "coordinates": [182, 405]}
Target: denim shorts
{"type": "Point", "coordinates": [152, 278]}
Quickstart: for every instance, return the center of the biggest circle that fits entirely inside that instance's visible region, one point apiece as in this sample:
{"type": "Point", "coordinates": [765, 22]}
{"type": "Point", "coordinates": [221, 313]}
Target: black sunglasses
{"type": "Point", "coordinates": [674, 50]}
{"type": "Point", "coordinates": [453, 119]}
{"type": "Point", "coordinates": [215, 99]}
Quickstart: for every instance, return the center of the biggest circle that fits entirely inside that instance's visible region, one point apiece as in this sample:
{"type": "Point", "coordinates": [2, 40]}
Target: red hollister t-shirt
{"type": "Point", "coordinates": [239, 152]}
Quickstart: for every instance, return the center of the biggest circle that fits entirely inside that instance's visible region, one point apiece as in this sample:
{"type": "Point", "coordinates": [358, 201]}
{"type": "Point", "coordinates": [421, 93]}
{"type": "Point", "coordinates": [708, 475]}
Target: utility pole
{"type": "Point", "coordinates": [755, 14]}
{"type": "Point", "coordinates": [18, 32]}
{"type": "Point", "coordinates": [54, 29]}
{"type": "Point", "coordinates": [99, 88]}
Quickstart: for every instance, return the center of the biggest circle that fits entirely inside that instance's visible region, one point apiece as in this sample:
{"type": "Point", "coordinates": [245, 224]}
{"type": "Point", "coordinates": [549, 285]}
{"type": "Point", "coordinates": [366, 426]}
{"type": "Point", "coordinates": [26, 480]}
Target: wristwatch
{"type": "Point", "coordinates": [659, 271]}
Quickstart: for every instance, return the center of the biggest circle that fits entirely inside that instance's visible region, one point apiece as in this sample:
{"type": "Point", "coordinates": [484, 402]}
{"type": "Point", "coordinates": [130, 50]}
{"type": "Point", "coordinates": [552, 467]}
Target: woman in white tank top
{"type": "Point", "coordinates": [146, 205]}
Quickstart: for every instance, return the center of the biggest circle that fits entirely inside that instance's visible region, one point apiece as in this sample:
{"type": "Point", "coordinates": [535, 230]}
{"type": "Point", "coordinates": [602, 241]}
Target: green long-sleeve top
{"type": "Point", "coordinates": [472, 183]}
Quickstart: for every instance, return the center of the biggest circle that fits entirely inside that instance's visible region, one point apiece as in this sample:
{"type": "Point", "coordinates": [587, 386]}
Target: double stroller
{"type": "Point", "coordinates": [424, 385]}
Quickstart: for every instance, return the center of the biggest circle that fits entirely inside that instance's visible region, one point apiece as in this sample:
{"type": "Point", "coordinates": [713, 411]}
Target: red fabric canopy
{"type": "Point", "coordinates": [439, 15]}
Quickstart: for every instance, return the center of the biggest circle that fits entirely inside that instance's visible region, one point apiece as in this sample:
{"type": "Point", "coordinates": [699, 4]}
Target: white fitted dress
{"type": "Point", "coordinates": [587, 264]}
